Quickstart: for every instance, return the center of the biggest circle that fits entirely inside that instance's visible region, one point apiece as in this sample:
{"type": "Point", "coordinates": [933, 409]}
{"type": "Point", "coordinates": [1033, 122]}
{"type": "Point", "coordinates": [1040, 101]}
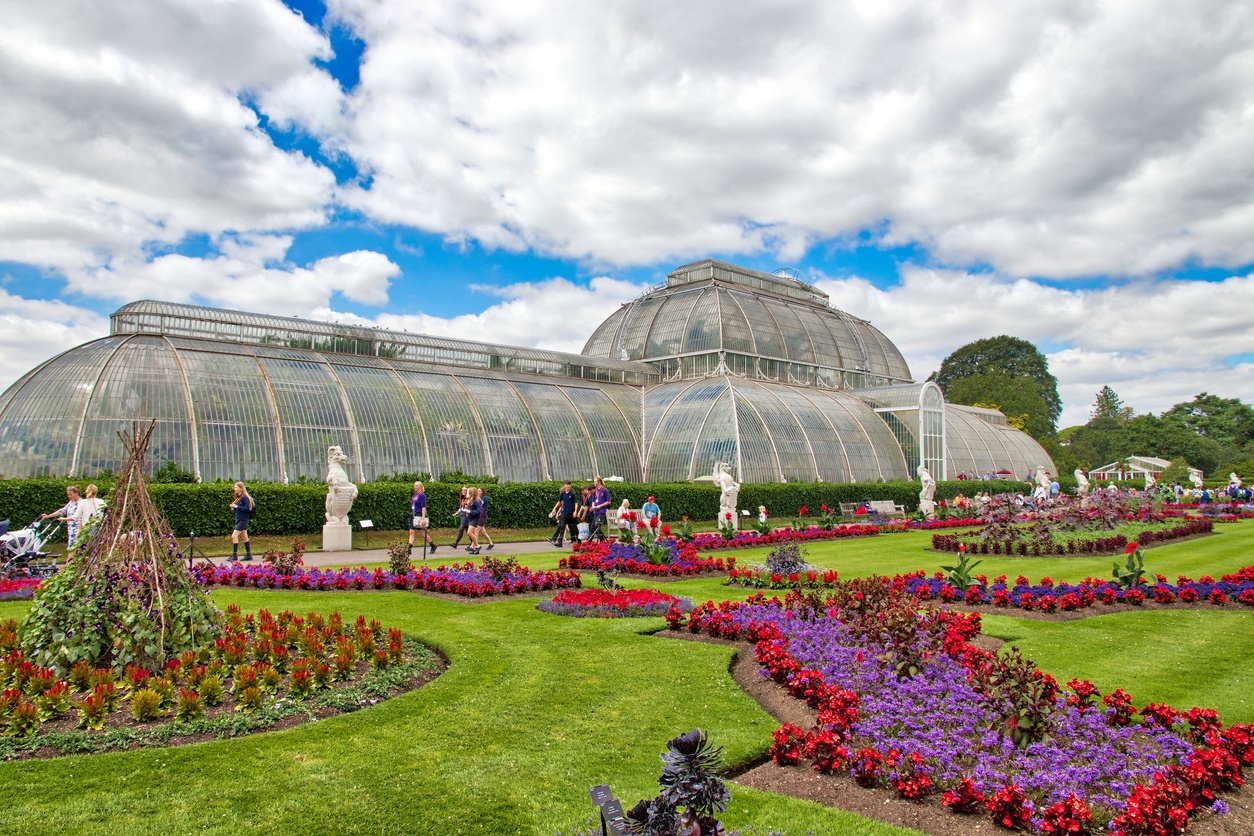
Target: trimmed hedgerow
{"type": "Point", "coordinates": [299, 509]}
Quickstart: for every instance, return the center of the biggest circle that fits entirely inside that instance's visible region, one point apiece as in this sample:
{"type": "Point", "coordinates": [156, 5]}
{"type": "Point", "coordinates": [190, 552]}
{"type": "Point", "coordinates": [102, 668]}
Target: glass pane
{"type": "Point", "coordinates": [389, 434]}
{"type": "Point", "coordinates": [513, 442]}
{"type": "Point", "coordinates": [142, 380]}
{"type": "Point", "coordinates": [454, 434]}
{"type": "Point", "coordinates": [566, 442]}
{"type": "Point", "coordinates": [311, 414]}
{"type": "Point", "coordinates": [666, 335]}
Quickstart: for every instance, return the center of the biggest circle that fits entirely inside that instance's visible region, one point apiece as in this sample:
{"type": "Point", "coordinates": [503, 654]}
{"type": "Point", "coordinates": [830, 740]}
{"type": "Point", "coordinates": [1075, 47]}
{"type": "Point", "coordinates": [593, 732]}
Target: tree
{"type": "Point", "coordinates": [1017, 396]}
{"type": "Point", "coordinates": [1225, 420]}
{"type": "Point", "coordinates": [1110, 405]}
{"type": "Point", "coordinates": [1006, 356]}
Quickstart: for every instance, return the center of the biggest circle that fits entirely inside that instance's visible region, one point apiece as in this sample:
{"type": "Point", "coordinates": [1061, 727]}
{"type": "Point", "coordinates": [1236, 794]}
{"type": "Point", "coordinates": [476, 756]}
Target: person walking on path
{"type": "Point", "coordinates": [600, 507]}
{"type": "Point", "coordinates": [243, 507]}
{"type": "Point", "coordinates": [418, 517]}
{"type": "Point", "coordinates": [65, 514]}
{"type": "Point", "coordinates": [482, 534]}
{"type": "Point", "coordinates": [463, 517]}
{"type": "Point", "coordinates": [474, 509]}
{"type": "Point", "coordinates": [564, 512]}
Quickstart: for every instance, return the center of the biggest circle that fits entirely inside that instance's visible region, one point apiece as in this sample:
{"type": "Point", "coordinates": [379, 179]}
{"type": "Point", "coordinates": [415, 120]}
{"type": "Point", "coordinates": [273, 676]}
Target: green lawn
{"type": "Point", "coordinates": [536, 709]}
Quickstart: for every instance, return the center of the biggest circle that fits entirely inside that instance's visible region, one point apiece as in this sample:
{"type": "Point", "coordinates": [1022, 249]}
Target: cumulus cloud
{"type": "Point", "coordinates": [1054, 138]}
{"type": "Point", "coordinates": [1155, 343]}
{"type": "Point", "coordinates": [250, 275]}
{"type": "Point", "coordinates": [126, 124]}
{"type": "Point", "coordinates": [33, 330]}
{"type": "Point", "coordinates": [555, 314]}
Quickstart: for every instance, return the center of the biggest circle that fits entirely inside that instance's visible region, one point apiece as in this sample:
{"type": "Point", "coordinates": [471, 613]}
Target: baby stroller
{"type": "Point", "coordinates": [21, 551]}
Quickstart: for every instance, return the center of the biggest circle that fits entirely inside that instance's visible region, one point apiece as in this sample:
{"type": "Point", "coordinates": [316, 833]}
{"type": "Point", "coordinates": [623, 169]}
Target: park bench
{"type": "Point", "coordinates": [875, 507]}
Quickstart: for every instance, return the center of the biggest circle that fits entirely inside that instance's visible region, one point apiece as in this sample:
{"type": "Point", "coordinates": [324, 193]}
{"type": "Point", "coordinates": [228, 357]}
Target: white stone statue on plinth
{"type": "Point", "coordinates": [731, 493]}
{"type": "Point", "coordinates": [1234, 481]}
{"type": "Point", "coordinates": [1195, 476]}
{"type": "Point", "coordinates": [926, 505]}
{"type": "Point", "coordinates": [337, 534]}
{"type": "Point", "coordinates": [1081, 483]}
{"type": "Point", "coordinates": [1150, 480]}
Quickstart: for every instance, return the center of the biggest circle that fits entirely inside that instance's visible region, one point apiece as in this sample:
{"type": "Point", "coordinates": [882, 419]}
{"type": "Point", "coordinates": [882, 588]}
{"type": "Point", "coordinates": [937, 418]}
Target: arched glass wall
{"type": "Point", "coordinates": [266, 413]}
{"type": "Point", "coordinates": [977, 447]}
{"type": "Point", "coordinates": [767, 432]}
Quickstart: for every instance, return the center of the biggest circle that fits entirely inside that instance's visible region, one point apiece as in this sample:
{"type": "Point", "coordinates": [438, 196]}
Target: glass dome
{"type": "Point", "coordinates": [978, 441]}
{"type": "Point", "coordinates": [785, 328]}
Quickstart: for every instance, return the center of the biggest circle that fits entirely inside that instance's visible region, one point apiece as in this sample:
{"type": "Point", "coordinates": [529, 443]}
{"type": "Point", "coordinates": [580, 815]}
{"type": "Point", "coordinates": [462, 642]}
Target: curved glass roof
{"type": "Point", "coordinates": [168, 318]}
{"type": "Point", "coordinates": [230, 411]}
{"type": "Point", "coordinates": [768, 433]}
{"type": "Point", "coordinates": [973, 444]}
{"type": "Point", "coordinates": [712, 306]}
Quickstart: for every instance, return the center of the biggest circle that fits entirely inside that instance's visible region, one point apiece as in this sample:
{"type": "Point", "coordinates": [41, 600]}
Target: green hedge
{"type": "Point", "coordinates": [299, 509]}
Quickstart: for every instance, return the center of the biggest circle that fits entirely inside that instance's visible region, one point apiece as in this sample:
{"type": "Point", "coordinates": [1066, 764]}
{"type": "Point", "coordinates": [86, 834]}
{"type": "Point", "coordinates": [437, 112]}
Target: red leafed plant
{"type": "Point", "coordinates": [1161, 809]}
{"type": "Point", "coordinates": [787, 742]}
{"type": "Point", "coordinates": [1009, 807]}
{"type": "Point", "coordinates": [1067, 817]}
{"type": "Point", "coordinates": [964, 798]}
{"type": "Point", "coordinates": [823, 749]}
{"type": "Point", "coordinates": [911, 782]}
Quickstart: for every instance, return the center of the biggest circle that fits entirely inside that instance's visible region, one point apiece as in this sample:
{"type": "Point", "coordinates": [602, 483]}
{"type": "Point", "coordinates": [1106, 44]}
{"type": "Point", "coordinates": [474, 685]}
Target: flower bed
{"type": "Point", "coordinates": [759, 578]}
{"type": "Point", "coordinates": [681, 560]}
{"type": "Point", "coordinates": [260, 669]}
{"type": "Point", "coordinates": [1112, 544]}
{"type": "Point", "coordinates": [19, 588]}
{"type": "Point", "coordinates": [618, 603]}
{"type": "Point", "coordinates": [905, 701]}
{"type": "Point", "coordinates": [467, 580]}
{"type": "Point", "coordinates": [1047, 596]}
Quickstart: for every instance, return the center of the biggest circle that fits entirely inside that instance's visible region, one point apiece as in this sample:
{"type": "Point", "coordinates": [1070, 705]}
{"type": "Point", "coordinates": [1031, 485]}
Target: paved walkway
{"type": "Point", "coordinates": [443, 554]}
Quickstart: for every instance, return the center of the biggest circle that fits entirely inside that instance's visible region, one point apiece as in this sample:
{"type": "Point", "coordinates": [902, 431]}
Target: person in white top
{"type": "Point", "coordinates": [66, 514]}
{"type": "Point", "coordinates": [88, 508]}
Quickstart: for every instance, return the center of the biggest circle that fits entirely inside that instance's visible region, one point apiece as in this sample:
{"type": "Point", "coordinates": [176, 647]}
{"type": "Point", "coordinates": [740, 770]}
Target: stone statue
{"type": "Point", "coordinates": [926, 505]}
{"type": "Point", "coordinates": [337, 534]}
{"type": "Point", "coordinates": [1042, 478]}
{"type": "Point", "coordinates": [1150, 481]}
{"type": "Point", "coordinates": [731, 493]}
{"type": "Point", "coordinates": [340, 491]}
{"type": "Point", "coordinates": [1081, 483]}
{"type": "Point", "coordinates": [1195, 476]}
{"type": "Point", "coordinates": [1234, 481]}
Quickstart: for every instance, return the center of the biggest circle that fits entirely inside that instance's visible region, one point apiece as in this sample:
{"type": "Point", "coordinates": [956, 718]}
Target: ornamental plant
{"type": "Point", "coordinates": [959, 575]}
{"type": "Point", "coordinates": [692, 793]}
{"type": "Point", "coordinates": [23, 719]}
{"type": "Point", "coordinates": [210, 689]}
{"type": "Point", "coordinates": [145, 705]}
{"type": "Point", "coordinates": [399, 559]}
{"type": "Point", "coordinates": [190, 706]}
{"type": "Point", "coordinates": [248, 700]}
{"type": "Point", "coordinates": [1133, 572]}
{"type": "Point", "coordinates": [93, 708]}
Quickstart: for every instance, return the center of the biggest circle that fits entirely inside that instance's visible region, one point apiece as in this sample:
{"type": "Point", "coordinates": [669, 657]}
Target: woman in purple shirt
{"type": "Point", "coordinates": [418, 517]}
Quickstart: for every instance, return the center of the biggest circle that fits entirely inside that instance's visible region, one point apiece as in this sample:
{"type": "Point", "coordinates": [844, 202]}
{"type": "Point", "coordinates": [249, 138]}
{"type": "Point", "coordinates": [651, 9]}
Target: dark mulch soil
{"type": "Point", "coordinates": [123, 719]}
{"type": "Point", "coordinates": [842, 792]}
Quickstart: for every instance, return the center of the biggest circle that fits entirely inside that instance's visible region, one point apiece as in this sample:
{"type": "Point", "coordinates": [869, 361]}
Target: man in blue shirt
{"type": "Point", "coordinates": [564, 512]}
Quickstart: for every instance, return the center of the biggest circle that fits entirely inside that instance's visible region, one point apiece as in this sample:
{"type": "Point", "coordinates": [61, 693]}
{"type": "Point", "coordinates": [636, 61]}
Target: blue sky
{"type": "Point", "coordinates": [1073, 174]}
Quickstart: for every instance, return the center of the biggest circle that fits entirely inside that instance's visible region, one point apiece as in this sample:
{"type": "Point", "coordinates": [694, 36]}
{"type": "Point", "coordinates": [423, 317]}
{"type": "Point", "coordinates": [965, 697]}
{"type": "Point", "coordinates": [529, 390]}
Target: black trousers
{"type": "Point", "coordinates": [461, 529]}
{"type": "Point", "coordinates": [596, 527]}
{"type": "Point", "coordinates": [568, 522]}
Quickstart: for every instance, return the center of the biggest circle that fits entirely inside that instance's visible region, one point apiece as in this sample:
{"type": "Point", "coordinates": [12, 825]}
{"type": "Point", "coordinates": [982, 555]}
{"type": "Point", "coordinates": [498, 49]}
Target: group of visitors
{"type": "Point", "coordinates": [79, 510]}
{"type": "Point", "coordinates": [590, 508]}
{"type": "Point", "coordinates": [471, 516]}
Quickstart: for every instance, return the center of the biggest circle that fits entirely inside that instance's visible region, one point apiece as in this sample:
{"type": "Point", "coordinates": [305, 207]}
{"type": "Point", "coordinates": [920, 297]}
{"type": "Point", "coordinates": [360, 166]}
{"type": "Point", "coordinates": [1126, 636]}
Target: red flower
{"type": "Point", "coordinates": [1131, 547]}
{"type": "Point", "coordinates": [802, 511]}
{"type": "Point", "coordinates": [727, 515]}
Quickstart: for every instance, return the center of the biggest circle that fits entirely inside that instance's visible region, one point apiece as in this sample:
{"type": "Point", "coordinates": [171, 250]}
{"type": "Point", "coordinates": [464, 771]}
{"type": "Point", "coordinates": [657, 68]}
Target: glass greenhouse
{"type": "Point", "coordinates": [720, 363]}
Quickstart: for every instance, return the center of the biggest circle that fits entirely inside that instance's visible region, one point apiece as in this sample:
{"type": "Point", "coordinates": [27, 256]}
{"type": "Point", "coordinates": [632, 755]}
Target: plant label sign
{"type": "Point", "coordinates": [613, 822]}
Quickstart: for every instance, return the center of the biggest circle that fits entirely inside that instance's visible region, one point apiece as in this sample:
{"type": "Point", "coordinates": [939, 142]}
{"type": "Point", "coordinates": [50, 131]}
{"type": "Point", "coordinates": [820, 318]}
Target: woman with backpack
{"type": "Point", "coordinates": [243, 506]}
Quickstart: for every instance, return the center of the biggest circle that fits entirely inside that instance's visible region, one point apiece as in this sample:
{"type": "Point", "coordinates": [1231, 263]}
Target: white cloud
{"type": "Point", "coordinates": [124, 126]}
{"type": "Point", "coordinates": [1155, 343]}
{"type": "Point", "coordinates": [33, 330]}
{"type": "Point", "coordinates": [1055, 138]}
{"type": "Point", "coordinates": [554, 314]}
{"type": "Point", "coordinates": [249, 275]}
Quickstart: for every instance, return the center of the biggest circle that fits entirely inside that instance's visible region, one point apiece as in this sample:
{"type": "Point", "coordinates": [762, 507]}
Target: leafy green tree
{"type": "Point", "coordinates": [1226, 420]}
{"type": "Point", "coordinates": [1009, 357]}
{"type": "Point", "coordinates": [1017, 396]}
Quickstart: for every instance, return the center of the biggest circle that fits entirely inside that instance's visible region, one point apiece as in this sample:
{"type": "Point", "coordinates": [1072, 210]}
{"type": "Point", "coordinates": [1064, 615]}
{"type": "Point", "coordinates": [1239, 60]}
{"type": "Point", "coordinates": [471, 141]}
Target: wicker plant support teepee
{"type": "Point", "coordinates": [125, 597]}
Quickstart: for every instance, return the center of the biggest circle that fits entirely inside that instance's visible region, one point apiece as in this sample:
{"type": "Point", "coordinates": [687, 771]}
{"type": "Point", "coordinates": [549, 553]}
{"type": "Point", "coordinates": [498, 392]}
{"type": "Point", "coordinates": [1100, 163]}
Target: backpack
{"type": "Point", "coordinates": [252, 508]}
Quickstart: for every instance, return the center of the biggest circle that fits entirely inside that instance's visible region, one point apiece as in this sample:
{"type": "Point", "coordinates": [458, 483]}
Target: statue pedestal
{"type": "Point", "coordinates": [928, 507]}
{"type": "Point", "coordinates": [337, 537]}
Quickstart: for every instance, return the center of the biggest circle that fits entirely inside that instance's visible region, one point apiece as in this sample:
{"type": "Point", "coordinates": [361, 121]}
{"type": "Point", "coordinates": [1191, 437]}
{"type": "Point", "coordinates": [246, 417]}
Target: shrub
{"type": "Point", "coordinates": [190, 706]}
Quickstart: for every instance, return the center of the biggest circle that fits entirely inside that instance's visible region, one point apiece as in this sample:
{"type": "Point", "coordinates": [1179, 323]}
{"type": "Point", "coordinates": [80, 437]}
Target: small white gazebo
{"type": "Point", "coordinates": [1131, 468]}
